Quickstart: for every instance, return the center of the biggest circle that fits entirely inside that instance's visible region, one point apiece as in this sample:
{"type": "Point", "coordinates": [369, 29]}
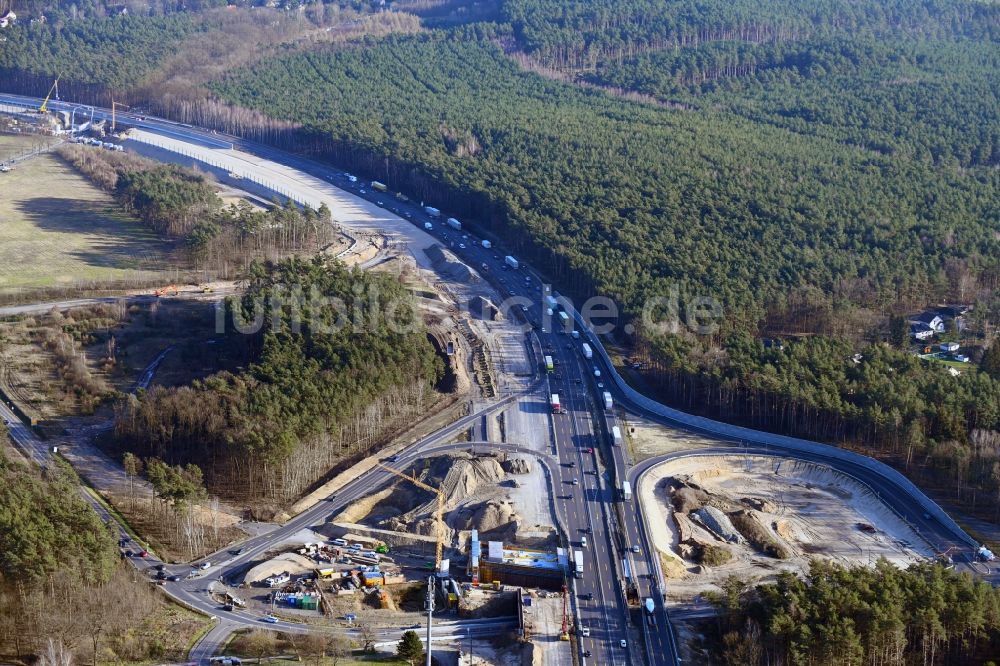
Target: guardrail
{"type": "Point", "coordinates": [748, 435]}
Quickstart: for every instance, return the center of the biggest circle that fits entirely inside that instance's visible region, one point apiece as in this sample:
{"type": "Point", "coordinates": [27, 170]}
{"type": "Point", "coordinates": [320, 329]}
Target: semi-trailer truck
{"type": "Point", "coordinates": [378, 187]}
{"type": "Point", "coordinates": [578, 563]}
{"type": "Point", "coordinates": [454, 224]}
{"type": "Point", "coordinates": [588, 353]}
{"type": "Point", "coordinates": [556, 406]}
{"type": "Point", "coordinates": [616, 435]}
{"type": "Point", "coordinates": [512, 262]}
{"type": "Point", "coordinates": [626, 491]}
{"type": "Point", "coordinates": [608, 402]}
{"type": "Point", "coordinates": [432, 211]}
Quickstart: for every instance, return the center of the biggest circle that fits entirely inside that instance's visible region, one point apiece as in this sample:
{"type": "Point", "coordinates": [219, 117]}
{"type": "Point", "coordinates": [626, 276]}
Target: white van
{"type": "Point", "coordinates": [583, 541]}
{"type": "Point", "coordinates": [340, 542]}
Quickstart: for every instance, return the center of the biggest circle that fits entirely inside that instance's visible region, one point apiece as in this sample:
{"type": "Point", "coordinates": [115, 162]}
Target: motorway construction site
{"type": "Point", "coordinates": [754, 516]}
{"type": "Point", "coordinates": [479, 494]}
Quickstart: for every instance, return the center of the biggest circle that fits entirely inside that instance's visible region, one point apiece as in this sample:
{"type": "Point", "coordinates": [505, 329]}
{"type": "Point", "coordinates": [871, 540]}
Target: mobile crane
{"type": "Point", "coordinates": [44, 108]}
{"type": "Point", "coordinates": [438, 513]}
{"type": "Point", "coordinates": [114, 108]}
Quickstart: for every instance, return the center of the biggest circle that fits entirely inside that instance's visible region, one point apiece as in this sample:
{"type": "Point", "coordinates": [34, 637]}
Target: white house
{"type": "Point", "coordinates": [921, 331]}
{"type": "Point", "coordinates": [932, 320]}
{"type": "Point", "coordinates": [948, 346]}
{"type": "Point", "coordinates": [7, 19]}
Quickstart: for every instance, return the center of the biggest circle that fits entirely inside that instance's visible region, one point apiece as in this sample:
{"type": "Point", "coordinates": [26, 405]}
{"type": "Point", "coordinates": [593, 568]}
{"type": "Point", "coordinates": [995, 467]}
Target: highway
{"type": "Point", "coordinates": [581, 448]}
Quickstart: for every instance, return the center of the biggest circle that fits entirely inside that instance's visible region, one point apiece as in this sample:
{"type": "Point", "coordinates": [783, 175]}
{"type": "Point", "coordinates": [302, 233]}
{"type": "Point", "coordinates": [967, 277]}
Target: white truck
{"type": "Point", "coordinates": [588, 353]}
{"type": "Point", "coordinates": [428, 226]}
{"type": "Point", "coordinates": [487, 244]}
{"type": "Point", "coordinates": [616, 435]}
{"type": "Point", "coordinates": [551, 302]}
{"type": "Point", "coordinates": [378, 187]}
{"type": "Point", "coordinates": [432, 211]}
{"type": "Point", "coordinates": [578, 563]}
{"type": "Point", "coordinates": [454, 224]}
{"type": "Point", "coordinates": [608, 402]}
{"type": "Point", "coordinates": [626, 491]}
{"type": "Point", "coordinates": [512, 262]}
{"type": "Point", "coordinates": [556, 406]}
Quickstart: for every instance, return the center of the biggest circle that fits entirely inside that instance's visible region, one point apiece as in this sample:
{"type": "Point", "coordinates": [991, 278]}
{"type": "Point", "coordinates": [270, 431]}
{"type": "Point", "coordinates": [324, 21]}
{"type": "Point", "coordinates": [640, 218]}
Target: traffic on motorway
{"type": "Point", "coordinates": [602, 522]}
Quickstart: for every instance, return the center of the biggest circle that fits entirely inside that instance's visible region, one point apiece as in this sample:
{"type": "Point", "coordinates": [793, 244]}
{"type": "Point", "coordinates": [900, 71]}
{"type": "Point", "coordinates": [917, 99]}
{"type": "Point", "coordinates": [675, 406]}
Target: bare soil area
{"type": "Point", "coordinates": [478, 496]}
{"type": "Point", "coordinates": [752, 517]}
{"type": "Point", "coordinates": [647, 439]}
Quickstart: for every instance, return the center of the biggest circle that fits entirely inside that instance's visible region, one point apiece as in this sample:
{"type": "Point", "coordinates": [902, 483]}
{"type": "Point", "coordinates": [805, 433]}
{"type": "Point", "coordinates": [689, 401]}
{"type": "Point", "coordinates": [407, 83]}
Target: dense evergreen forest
{"type": "Point", "coordinates": [935, 100]}
{"type": "Point", "coordinates": [926, 615]}
{"type": "Point", "coordinates": [46, 528]}
{"type": "Point", "coordinates": [333, 368]}
{"type": "Point", "coordinates": [816, 166]}
{"type": "Point", "coordinates": [792, 232]}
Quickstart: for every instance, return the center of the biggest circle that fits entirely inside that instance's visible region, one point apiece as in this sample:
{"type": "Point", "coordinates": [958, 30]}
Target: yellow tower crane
{"type": "Point", "coordinates": [44, 108]}
{"type": "Point", "coordinates": [438, 513]}
{"type": "Point", "coordinates": [114, 109]}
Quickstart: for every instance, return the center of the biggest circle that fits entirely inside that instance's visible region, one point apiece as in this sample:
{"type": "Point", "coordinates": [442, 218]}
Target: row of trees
{"type": "Point", "coordinates": [939, 427]}
{"type": "Point", "coordinates": [315, 395]}
{"type": "Point", "coordinates": [881, 616]}
{"type": "Point", "coordinates": [180, 203]}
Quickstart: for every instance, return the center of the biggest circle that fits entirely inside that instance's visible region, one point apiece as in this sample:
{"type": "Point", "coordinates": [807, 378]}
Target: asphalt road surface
{"type": "Point", "coordinates": [591, 506]}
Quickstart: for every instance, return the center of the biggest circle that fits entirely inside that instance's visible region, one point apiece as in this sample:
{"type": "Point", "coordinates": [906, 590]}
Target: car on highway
{"type": "Point", "coordinates": [143, 553]}
{"type": "Point", "coordinates": [161, 575]}
{"type": "Point", "coordinates": [636, 549]}
{"type": "Point", "coordinates": [585, 631]}
{"type": "Point", "coordinates": [590, 449]}
{"type": "Point", "coordinates": [587, 653]}
{"type": "Point", "coordinates": [575, 482]}
{"type": "Point", "coordinates": [600, 384]}
{"type": "Point", "coordinates": [461, 246]}
{"type": "Point", "coordinates": [362, 191]}
{"type": "Point", "coordinates": [205, 565]}
{"type": "Point", "coordinates": [588, 596]}
{"type": "Point", "coordinates": [622, 643]}
{"type": "Point", "coordinates": [174, 579]}
{"type": "Point", "coordinates": [270, 619]}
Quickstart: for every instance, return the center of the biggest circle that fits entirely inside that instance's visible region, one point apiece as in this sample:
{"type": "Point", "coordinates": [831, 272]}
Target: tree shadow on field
{"type": "Point", "coordinates": [115, 241]}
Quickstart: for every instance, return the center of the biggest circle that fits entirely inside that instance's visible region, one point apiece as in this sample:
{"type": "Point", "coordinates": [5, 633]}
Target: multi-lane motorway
{"type": "Point", "coordinates": [587, 466]}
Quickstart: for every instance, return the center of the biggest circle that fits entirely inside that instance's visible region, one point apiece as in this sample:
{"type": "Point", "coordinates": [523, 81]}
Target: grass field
{"type": "Point", "coordinates": [57, 230]}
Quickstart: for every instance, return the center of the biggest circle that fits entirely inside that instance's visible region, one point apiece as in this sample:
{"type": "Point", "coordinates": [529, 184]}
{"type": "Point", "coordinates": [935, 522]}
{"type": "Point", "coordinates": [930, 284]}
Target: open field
{"type": "Point", "coordinates": [58, 230]}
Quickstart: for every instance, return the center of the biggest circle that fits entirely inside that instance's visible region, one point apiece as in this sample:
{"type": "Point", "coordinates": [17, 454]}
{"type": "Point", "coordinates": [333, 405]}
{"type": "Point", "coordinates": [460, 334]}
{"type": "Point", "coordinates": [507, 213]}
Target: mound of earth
{"type": "Point", "coordinates": [517, 466]}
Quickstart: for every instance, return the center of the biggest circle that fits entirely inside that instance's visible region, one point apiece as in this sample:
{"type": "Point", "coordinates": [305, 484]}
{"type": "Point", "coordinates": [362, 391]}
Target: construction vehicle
{"type": "Point", "coordinates": [170, 290]}
{"type": "Point", "coordinates": [44, 108]}
{"type": "Point", "coordinates": [564, 632]}
{"type": "Point", "coordinates": [114, 108]}
{"type": "Point", "coordinates": [438, 513]}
